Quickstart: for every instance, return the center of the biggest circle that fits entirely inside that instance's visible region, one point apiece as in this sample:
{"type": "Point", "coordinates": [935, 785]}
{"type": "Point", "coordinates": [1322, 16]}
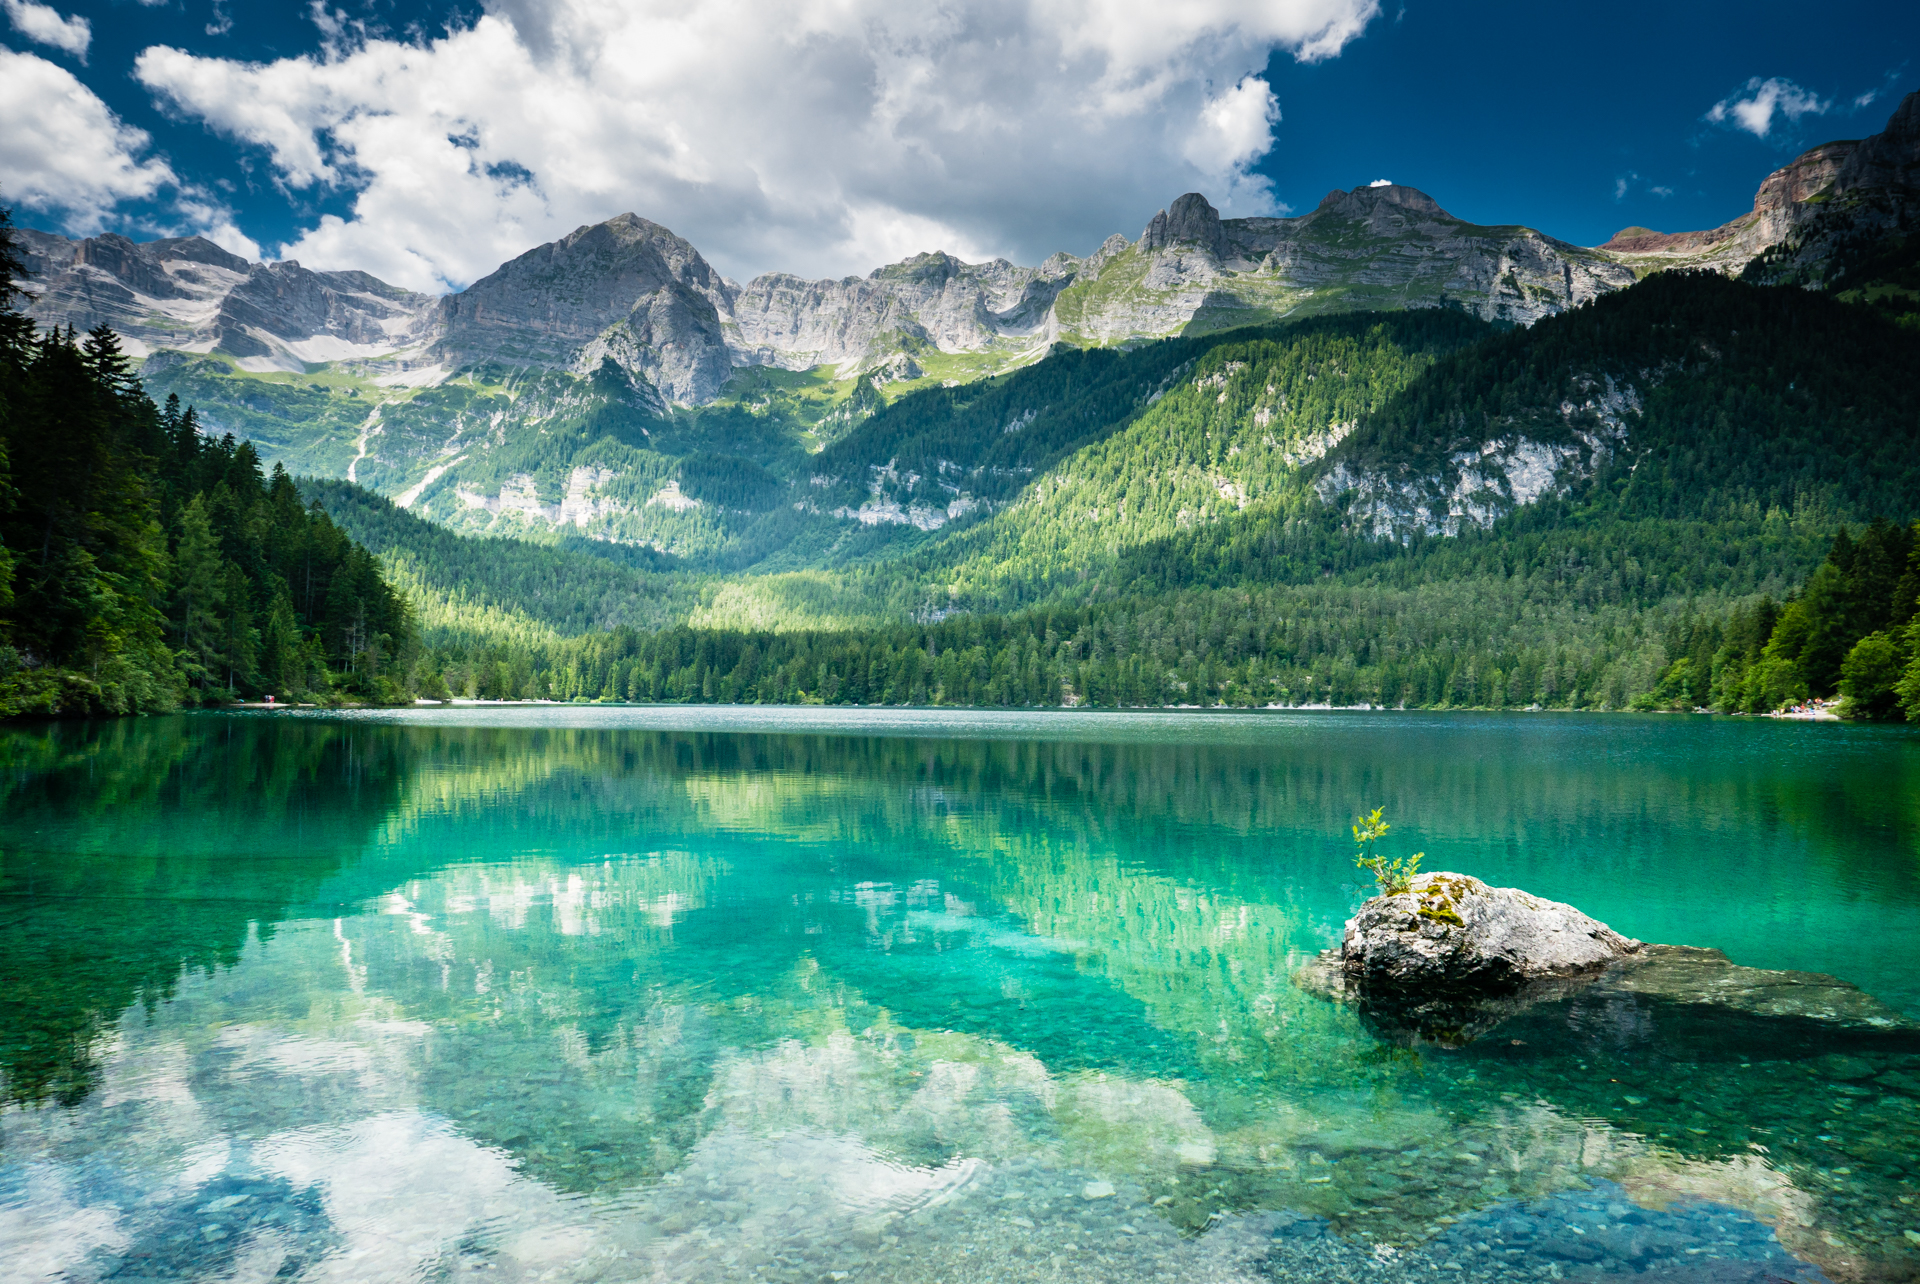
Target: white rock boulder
{"type": "Point", "coordinates": [1454, 935]}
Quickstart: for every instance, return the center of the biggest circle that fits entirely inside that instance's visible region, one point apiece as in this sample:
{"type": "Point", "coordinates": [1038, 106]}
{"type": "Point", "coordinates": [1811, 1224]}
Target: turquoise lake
{"type": "Point", "coordinates": [629, 994]}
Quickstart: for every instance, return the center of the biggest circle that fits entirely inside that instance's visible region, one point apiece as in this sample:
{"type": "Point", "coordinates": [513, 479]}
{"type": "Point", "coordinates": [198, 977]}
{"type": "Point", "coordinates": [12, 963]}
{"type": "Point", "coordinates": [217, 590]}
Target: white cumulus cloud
{"type": "Point", "coordinates": [63, 151]}
{"type": "Point", "coordinates": [1764, 100]}
{"type": "Point", "coordinates": [817, 136]}
{"type": "Point", "coordinates": [43, 24]}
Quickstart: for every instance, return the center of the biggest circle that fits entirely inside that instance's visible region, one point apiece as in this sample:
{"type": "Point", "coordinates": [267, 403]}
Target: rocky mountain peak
{"type": "Point", "coordinates": [1363, 201]}
{"type": "Point", "coordinates": [559, 305]}
{"type": "Point", "coordinates": [934, 268]}
{"type": "Point", "coordinates": [1189, 220]}
{"type": "Point", "coordinates": [622, 245]}
{"type": "Point", "coordinates": [196, 249]}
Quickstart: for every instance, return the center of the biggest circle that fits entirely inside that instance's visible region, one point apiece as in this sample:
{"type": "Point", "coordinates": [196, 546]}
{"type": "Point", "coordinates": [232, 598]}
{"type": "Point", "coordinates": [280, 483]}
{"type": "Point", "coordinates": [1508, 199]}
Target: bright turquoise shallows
{"type": "Point", "coordinates": [741, 994]}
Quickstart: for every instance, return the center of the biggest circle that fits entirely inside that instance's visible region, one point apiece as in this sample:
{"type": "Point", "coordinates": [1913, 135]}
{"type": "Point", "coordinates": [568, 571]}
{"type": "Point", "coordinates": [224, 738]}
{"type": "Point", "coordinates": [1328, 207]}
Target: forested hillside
{"type": "Point", "coordinates": [1851, 630]}
{"type": "Point", "coordinates": [1689, 435]}
{"type": "Point", "coordinates": [1619, 505]}
{"type": "Point", "coordinates": [143, 564]}
{"type": "Point", "coordinates": [1403, 508]}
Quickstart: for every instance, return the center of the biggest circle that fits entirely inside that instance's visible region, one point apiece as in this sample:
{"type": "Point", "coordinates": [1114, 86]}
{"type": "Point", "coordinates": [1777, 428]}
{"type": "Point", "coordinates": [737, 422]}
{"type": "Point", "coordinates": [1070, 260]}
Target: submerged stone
{"type": "Point", "coordinates": [1680, 976]}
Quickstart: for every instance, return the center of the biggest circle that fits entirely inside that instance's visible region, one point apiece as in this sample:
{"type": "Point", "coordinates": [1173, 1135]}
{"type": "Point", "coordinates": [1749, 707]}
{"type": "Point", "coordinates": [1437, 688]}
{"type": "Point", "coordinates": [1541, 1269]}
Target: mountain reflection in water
{"type": "Point", "coordinates": [580, 992]}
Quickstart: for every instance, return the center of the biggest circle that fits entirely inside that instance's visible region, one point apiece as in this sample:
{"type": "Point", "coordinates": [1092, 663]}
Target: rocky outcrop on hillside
{"type": "Point", "coordinates": [190, 295]}
{"type": "Point", "coordinates": [1517, 464]}
{"type": "Point", "coordinates": [1397, 239]}
{"type": "Point", "coordinates": [1732, 245]}
{"type": "Point", "coordinates": [1805, 211]}
{"type": "Point", "coordinates": [1873, 200]}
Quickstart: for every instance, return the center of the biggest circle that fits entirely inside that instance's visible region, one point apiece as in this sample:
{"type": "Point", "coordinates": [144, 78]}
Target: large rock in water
{"type": "Point", "coordinates": [1454, 935]}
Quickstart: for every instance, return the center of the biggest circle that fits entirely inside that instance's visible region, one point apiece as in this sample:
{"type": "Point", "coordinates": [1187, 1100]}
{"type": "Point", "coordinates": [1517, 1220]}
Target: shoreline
{"type": "Point", "coordinates": [1815, 711]}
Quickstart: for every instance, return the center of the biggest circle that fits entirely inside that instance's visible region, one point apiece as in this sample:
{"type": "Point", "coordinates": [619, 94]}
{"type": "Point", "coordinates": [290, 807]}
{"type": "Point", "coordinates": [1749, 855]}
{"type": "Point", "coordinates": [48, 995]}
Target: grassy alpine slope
{"type": "Point", "coordinates": [1384, 508]}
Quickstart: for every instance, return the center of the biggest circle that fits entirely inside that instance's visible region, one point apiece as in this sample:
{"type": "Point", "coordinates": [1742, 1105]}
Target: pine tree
{"type": "Point", "coordinates": [199, 585]}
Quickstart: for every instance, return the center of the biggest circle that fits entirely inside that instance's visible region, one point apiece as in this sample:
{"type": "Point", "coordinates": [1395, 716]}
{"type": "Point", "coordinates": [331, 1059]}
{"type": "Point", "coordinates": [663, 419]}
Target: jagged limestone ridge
{"type": "Point", "coordinates": [188, 294]}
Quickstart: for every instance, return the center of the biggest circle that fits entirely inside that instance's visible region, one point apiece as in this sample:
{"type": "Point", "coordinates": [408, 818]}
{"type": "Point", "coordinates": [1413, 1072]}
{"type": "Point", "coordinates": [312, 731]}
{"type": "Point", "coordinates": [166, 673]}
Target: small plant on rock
{"type": "Point", "coordinates": [1394, 876]}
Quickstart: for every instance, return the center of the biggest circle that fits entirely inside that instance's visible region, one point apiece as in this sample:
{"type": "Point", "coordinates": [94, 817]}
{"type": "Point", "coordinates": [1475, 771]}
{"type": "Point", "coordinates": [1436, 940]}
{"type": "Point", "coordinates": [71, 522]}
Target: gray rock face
{"type": "Point", "coordinates": [1891, 158]}
{"type": "Point", "coordinates": [626, 288]}
{"type": "Point", "coordinates": [632, 291]}
{"type": "Point", "coordinates": [935, 299]}
{"type": "Point", "coordinates": [190, 295]}
{"type": "Point", "coordinates": [1455, 934]}
{"type": "Point", "coordinates": [1373, 247]}
{"type": "Point", "coordinates": [1189, 220]}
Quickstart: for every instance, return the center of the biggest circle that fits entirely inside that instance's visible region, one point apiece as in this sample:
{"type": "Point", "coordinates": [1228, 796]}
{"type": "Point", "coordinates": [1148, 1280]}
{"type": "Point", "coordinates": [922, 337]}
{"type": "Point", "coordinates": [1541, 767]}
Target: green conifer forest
{"type": "Point", "coordinates": [144, 565]}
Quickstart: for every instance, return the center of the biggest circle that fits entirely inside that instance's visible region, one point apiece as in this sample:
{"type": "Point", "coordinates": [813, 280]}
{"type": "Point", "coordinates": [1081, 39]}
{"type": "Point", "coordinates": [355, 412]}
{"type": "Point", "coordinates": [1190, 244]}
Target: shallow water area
{"type": "Point", "coordinates": [756, 994]}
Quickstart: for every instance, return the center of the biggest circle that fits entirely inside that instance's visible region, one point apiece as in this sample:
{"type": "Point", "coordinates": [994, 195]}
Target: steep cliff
{"type": "Point", "coordinates": [1858, 235]}
{"type": "Point", "coordinates": [1806, 214]}
{"type": "Point", "coordinates": [1731, 246]}
{"type": "Point", "coordinates": [929, 300]}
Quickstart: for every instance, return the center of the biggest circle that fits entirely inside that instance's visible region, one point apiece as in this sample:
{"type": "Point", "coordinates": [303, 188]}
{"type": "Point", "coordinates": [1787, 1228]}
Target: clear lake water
{"type": "Point", "coordinates": [625, 994]}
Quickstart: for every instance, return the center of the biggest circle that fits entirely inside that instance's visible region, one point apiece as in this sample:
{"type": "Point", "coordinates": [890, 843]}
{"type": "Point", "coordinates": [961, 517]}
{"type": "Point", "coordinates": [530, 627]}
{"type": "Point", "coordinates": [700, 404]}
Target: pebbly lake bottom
{"type": "Point", "coordinates": [678, 995]}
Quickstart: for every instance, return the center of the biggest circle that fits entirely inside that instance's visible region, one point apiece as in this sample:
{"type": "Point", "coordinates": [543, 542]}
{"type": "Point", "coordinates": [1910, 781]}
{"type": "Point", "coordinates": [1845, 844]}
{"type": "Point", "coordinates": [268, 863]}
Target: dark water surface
{"type": "Point", "coordinates": [642, 994]}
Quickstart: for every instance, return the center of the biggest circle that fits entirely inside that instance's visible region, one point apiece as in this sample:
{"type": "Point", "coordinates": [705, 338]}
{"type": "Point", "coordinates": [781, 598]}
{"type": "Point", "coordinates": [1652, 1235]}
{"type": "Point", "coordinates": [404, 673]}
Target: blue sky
{"type": "Point", "coordinates": [427, 142]}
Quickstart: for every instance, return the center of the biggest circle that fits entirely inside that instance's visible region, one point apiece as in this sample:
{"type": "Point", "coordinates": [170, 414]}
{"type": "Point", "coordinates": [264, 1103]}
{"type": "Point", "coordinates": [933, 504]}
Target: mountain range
{"type": "Point", "coordinates": [613, 389]}
{"type": "Point", "coordinates": [555, 394]}
{"type": "Point", "coordinates": [632, 291]}
{"type": "Point", "coordinates": [1370, 453]}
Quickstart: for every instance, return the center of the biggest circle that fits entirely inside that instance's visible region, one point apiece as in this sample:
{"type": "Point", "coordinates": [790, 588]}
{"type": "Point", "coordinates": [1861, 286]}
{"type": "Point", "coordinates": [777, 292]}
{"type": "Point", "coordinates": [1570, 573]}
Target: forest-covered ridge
{"type": "Point", "coordinates": [1671, 435]}
{"type": "Point", "coordinates": [1406, 507]}
{"type": "Point", "coordinates": [1584, 597]}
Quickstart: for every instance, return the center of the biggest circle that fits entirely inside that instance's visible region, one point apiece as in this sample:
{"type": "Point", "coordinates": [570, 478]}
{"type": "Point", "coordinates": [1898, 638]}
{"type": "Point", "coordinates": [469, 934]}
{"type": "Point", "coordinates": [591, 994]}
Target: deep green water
{"type": "Point", "coordinates": [729, 994]}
